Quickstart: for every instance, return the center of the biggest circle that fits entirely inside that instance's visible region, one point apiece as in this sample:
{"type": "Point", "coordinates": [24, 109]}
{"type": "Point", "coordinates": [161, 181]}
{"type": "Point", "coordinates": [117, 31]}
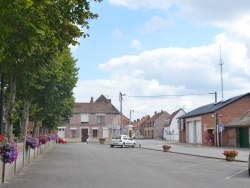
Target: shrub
{"type": "Point", "coordinates": [230, 153]}
{"type": "Point", "coordinates": [166, 146]}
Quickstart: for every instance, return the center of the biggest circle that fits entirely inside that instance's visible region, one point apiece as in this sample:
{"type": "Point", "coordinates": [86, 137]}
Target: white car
{"type": "Point", "coordinates": [122, 140]}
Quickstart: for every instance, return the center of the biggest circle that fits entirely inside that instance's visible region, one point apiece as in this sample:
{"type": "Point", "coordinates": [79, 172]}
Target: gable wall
{"type": "Point", "coordinates": [159, 123]}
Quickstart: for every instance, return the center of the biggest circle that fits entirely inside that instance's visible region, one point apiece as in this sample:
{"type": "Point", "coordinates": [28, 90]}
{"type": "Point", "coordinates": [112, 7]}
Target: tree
{"type": "Point", "coordinates": [33, 33]}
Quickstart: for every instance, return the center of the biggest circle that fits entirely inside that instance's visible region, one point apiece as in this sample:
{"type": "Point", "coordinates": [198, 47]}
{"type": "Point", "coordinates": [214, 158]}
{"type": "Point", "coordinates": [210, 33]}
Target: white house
{"type": "Point", "coordinates": [170, 129]}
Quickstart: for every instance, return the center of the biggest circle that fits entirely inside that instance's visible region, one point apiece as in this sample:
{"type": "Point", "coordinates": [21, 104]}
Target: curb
{"type": "Point", "coordinates": [192, 154]}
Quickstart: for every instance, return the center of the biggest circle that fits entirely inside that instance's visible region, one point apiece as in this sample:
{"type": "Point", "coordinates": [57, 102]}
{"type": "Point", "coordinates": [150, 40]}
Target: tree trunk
{"type": "Point", "coordinates": [34, 127]}
{"type": "Point", "coordinates": [11, 108]}
{"type": "Point", "coordinates": [25, 116]}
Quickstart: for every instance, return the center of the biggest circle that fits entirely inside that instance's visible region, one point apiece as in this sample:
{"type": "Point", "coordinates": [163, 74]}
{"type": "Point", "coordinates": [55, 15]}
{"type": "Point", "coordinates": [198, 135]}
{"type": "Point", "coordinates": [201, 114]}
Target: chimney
{"type": "Point", "coordinates": [91, 100]}
{"type": "Point", "coordinates": [109, 101]}
{"type": "Point", "coordinates": [138, 120]}
{"type": "Point", "coordinates": [155, 112]}
{"type": "Point", "coordinates": [161, 111]}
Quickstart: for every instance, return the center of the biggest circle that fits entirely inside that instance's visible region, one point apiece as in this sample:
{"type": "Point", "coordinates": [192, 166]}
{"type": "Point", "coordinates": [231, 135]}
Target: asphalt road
{"type": "Point", "coordinates": [82, 165]}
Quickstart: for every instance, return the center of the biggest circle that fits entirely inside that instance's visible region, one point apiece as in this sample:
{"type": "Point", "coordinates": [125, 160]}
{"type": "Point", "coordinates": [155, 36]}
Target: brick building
{"type": "Point", "coordinates": [97, 119]}
{"type": "Point", "coordinates": [212, 124]}
{"type": "Point", "coordinates": [153, 127]}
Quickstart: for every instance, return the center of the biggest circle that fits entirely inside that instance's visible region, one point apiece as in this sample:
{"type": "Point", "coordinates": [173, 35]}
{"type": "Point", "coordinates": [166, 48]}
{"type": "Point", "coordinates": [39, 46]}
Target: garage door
{"type": "Point", "coordinates": [198, 132]}
{"type": "Point", "coordinates": [191, 132]}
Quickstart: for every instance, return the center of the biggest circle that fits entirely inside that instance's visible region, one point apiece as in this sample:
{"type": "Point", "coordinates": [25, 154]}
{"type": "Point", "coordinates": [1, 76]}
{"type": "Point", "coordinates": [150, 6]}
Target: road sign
{"type": "Point", "coordinates": [222, 127]}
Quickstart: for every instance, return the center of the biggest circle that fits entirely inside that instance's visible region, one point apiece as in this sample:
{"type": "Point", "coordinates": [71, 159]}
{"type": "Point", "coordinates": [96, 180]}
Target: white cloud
{"type": "Point", "coordinates": [155, 23]}
{"type": "Point", "coordinates": [136, 44]}
{"type": "Point", "coordinates": [117, 33]}
{"type": "Point", "coordinates": [175, 71]}
{"type": "Point", "coordinates": [136, 4]}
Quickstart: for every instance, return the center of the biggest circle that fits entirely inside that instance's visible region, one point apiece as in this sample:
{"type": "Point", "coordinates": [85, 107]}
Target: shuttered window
{"type": "Point", "coordinates": [84, 118]}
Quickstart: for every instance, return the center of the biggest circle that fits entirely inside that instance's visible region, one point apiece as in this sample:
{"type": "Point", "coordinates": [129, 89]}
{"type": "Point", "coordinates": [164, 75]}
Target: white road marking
{"type": "Point", "coordinates": [235, 174]}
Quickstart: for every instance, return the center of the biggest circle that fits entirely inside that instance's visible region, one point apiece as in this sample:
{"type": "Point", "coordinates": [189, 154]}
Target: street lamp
{"type": "Point", "coordinates": [130, 116]}
{"type": "Point", "coordinates": [120, 98]}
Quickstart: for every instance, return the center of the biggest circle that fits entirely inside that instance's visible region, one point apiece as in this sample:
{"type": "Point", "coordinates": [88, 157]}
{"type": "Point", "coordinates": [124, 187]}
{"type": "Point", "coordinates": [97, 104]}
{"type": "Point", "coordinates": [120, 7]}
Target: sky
{"type": "Point", "coordinates": [164, 54]}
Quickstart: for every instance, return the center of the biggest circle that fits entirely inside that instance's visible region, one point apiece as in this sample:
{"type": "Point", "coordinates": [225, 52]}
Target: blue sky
{"type": "Point", "coordinates": [164, 47]}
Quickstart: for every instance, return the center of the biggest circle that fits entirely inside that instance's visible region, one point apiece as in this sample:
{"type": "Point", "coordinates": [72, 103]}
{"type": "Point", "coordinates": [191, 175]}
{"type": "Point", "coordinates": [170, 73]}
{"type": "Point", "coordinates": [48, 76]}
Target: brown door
{"type": "Point", "coordinates": [84, 134]}
{"type": "Point", "coordinates": [130, 133]}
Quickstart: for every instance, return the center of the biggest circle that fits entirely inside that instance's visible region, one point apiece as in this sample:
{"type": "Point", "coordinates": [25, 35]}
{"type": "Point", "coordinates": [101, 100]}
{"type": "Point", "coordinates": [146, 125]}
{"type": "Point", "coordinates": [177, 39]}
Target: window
{"type": "Point", "coordinates": [72, 133]}
{"type": "Point", "coordinates": [100, 119]}
{"type": "Point", "coordinates": [94, 133]}
{"type": "Point", "coordinates": [84, 118]}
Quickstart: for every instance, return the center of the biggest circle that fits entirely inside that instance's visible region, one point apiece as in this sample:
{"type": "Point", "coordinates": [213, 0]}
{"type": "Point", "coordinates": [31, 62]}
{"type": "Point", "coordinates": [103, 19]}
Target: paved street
{"type": "Point", "coordinates": [83, 165]}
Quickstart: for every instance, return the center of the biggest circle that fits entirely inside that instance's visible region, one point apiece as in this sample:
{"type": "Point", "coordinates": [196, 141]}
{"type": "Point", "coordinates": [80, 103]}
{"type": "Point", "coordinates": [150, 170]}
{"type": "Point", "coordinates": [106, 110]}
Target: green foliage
{"type": "Point", "coordinates": [34, 39]}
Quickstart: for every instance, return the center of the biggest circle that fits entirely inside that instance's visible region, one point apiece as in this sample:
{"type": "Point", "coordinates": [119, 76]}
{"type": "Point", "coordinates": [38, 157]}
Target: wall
{"type": "Point", "coordinates": [25, 156]}
{"type": "Point", "coordinates": [159, 123]}
{"type": "Point", "coordinates": [230, 136]}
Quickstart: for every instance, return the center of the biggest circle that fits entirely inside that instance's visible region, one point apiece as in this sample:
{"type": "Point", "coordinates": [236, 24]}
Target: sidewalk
{"type": "Point", "coordinates": [203, 151]}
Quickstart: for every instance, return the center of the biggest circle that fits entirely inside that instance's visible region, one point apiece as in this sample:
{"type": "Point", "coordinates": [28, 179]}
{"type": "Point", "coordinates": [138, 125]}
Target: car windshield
{"type": "Point", "coordinates": [116, 137]}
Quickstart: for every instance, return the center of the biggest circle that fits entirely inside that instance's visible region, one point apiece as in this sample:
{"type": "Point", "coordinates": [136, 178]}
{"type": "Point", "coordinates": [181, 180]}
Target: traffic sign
{"type": "Point", "coordinates": [222, 127]}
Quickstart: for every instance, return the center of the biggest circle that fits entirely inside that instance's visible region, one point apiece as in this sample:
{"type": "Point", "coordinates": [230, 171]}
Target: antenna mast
{"type": "Point", "coordinates": [221, 63]}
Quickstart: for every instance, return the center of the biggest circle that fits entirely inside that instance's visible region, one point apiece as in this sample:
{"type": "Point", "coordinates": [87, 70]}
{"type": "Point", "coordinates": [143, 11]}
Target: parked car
{"type": "Point", "coordinates": [122, 140]}
{"type": "Point", "coordinates": [249, 164]}
{"type": "Point", "coordinates": [61, 140]}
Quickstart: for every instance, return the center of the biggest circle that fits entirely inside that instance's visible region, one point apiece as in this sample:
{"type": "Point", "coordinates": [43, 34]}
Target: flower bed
{"type": "Point", "coordinates": [230, 153]}
{"type": "Point", "coordinates": [8, 151]}
{"type": "Point", "coordinates": [166, 146]}
{"type": "Point", "coordinates": [102, 139]}
{"type": "Point", "coordinates": [32, 142]}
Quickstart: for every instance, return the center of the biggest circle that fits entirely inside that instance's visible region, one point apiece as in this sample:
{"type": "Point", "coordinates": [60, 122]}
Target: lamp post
{"type": "Point", "coordinates": [220, 129]}
{"type": "Point", "coordinates": [130, 116]}
{"type": "Point", "coordinates": [120, 98]}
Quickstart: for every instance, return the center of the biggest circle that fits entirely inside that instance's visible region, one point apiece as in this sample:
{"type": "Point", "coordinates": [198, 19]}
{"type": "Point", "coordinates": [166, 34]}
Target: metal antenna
{"type": "Point", "coordinates": [221, 63]}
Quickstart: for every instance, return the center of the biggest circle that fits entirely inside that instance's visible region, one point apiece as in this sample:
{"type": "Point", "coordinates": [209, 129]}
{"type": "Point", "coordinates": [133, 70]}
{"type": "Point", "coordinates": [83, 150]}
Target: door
{"type": "Point", "coordinates": [61, 132]}
{"type": "Point", "coordinates": [84, 133]}
{"type": "Point", "coordinates": [130, 133]}
{"type": "Point", "coordinates": [198, 132]}
{"type": "Point", "coordinates": [244, 140]}
{"type": "Point", "coordinates": [190, 132]}
{"type": "Point", "coordinates": [105, 133]}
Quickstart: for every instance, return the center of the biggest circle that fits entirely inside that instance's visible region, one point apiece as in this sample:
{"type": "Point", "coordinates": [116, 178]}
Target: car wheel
{"type": "Point", "coordinates": [123, 145]}
{"type": "Point", "coordinates": [134, 145]}
{"type": "Point", "coordinates": [111, 146]}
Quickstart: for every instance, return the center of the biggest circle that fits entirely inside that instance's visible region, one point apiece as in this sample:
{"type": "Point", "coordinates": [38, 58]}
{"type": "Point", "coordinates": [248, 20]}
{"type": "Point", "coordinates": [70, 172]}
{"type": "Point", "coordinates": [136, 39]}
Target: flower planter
{"type": "Point", "coordinates": [166, 149]}
{"type": "Point", "coordinates": [230, 158]}
{"type": "Point", "coordinates": [101, 141]}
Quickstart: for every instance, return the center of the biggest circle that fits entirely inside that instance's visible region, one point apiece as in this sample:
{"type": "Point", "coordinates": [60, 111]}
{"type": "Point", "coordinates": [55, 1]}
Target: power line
{"type": "Point", "coordinates": [155, 96]}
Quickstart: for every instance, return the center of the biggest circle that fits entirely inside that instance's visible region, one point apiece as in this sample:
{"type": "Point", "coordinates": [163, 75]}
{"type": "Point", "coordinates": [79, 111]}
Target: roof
{"type": "Point", "coordinates": [155, 117]}
{"type": "Point", "coordinates": [102, 98]}
{"type": "Point", "coordinates": [143, 119]}
{"type": "Point", "coordinates": [101, 105]}
{"type": "Point", "coordinates": [241, 121]}
{"type": "Point", "coordinates": [212, 107]}
{"type": "Point", "coordinates": [170, 118]}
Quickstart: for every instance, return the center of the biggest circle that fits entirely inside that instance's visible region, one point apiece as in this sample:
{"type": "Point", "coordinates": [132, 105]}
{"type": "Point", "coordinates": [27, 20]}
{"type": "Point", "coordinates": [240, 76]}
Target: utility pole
{"type": "Point", "coordinates": [221, 63]}
{"type": "Point", "coordinates": [215, 96]}
{"type": "Point", "coordinates": [120, 99]}
{"type": "Point", "coordinates": [130, 116]}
